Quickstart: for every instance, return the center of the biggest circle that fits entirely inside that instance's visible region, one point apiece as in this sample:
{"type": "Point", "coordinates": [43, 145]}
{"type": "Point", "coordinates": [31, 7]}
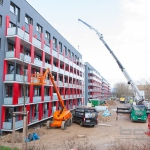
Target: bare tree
{"type": "Point", "coordinates": [144, 84]}
{"type": "Point", "coordinates": [122, 88]}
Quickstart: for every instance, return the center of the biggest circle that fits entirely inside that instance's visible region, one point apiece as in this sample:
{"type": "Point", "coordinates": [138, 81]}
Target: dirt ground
{"type": "Point", "coordinates": [102, 136]}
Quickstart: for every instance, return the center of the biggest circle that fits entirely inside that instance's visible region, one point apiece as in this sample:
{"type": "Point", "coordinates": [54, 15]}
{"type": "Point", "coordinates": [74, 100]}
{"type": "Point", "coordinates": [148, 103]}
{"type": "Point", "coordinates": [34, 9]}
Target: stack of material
{"type": "Point", "coordinates": [104, 118]}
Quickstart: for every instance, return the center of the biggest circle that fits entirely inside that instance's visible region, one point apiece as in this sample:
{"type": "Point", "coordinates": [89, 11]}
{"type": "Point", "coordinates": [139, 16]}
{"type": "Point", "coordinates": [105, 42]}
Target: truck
{"type": "Point", "coordinates": [61, 118]}
{"type": "Point", "coordinates": [139, 98]}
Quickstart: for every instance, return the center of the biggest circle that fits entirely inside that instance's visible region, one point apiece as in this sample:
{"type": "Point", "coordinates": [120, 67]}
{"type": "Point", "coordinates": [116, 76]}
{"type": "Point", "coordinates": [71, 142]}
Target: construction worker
{"type": "Point", "coordinates": [131, 101]}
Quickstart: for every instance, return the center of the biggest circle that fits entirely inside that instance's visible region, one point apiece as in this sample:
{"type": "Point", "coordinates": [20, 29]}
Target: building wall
{"type": "Point", "coordinates": [26, 36]}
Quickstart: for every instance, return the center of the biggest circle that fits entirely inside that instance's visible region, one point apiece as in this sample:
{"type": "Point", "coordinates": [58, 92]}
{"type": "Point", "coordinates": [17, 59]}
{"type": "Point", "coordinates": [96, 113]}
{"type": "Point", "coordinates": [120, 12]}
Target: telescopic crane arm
{"type": "Point", "coordinates": [130, 81]}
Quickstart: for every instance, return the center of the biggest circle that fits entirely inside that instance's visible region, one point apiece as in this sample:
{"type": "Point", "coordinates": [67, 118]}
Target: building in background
{"type": "Point", "coordinates": [26, 34]}
{"type": "Point", "coordinates": [96, 87]}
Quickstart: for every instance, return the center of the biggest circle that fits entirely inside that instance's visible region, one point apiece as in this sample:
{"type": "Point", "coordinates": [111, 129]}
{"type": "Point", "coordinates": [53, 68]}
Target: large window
{"type": "Point", "coordinates": [11, 25]}
{"type": "Point", "coordinates": [69, 53]}
{"type": "Point", "coordinates": [15, 10]}
{"type": "Point", "coordinates": [65, 50]}
{"type": "Point", "coordinates": [0, 43]}
{"type": "Point", "coordinates": [9, 91]}
{"type": "Point", "coordinates": [47, 35]}
{"type": "Point", "coordinates": [10, 47]}
{"type": "Point", "coordinates": [55, 42]}
{"type": "Point", "coordinates": [60, 46]}
{"type": "Point", "coordinates": [1, 1]}
{"type": "Point", "coordinates": [39, 28]}
{"type": "Point", "coordinates": [0, 20]}
{"type": "Point", "coordinates": [28, 19]}
{"type": "Point", "coordinates": [46, 91]}
{"type": "Point", "coordinates": [36, 91]}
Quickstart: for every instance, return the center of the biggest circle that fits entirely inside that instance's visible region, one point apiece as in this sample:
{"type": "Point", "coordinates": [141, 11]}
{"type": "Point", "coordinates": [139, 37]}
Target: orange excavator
{"type": "Point", "coordinates": [61, 118]}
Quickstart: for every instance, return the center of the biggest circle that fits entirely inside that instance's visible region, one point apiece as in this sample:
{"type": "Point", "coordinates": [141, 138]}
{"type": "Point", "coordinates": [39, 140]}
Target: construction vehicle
{"type": "Point", "coordinates": [61, 118]}
{"type": "Point", "coordinates": [122, 99]}
{"type": "Point", "coordinates": [139, 98]}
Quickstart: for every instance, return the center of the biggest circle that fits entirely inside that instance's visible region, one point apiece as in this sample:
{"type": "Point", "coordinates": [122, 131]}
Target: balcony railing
{"type": "Point", "coordinates": [25, 58]}
{"type": "Point", "coordinates": [10, 54]}
{"type": "Point", "coordinates": [8, 101]}
{"type": "Point", "coordinates": [60, 83]}
{"type": "Point", "coordinates": [36, 42]}
{"type": "Point", "coordinates": [38, 62]}
{"type": "Point", "coordinates": [47, 49]}
{"type": "Point", "coordinates": [36, 99]}
{"type": "Point", "coordinates": [54, 53]}
{"type": "Point", "coordinates": [47, 65]}
{"type": "Point", "coordinates": [47, 98]}
{"type": "Point", "coordinates": [8, 125]}
{"type": "Point", "coordinates": [9, 77]}
{"type": "Point", "coordinates": [66, 96]}
{"type": "Point", "coordinates": [61, 57]}
{"type": "Point", "coordinates": [21, 100]}
{"type": "Point", "coordinates": [55, 97]}
{"type": "Point", "coordinates": [21, 78]}
{"type": "Point", "coordinates": [55, 69]}
{"type": "Point", "coordinates": [61, 71]}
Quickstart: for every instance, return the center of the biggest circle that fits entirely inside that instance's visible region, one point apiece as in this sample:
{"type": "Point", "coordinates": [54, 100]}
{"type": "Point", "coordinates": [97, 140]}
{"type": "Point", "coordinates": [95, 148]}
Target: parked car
{"type": "Point", "coordinates": [84, 115]}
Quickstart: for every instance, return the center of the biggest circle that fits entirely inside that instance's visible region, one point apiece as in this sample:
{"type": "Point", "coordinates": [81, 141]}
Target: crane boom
{"type": "Point", "coordinates": [130, 81]}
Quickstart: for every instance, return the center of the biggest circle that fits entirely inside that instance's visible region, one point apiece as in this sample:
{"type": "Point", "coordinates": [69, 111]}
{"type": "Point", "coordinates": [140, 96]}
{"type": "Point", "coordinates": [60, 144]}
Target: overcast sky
{"type": "Point", "coordinates": [125, 25]}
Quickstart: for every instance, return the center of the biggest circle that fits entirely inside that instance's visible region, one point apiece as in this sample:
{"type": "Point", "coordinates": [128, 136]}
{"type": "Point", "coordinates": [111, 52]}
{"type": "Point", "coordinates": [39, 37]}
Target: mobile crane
{"type": "Point", "coordinates": [139, 101]}
{"type": "Point", "coordinates": [61, 118]}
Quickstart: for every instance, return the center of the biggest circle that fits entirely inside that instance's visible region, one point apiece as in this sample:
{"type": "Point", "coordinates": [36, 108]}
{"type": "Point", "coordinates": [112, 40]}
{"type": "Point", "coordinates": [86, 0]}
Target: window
{"type": "Point", "coordinates": [15, 10]}
{"type": "Point", "coordinates": [65, 50]}
{"type": "Point", "coordinates": [46, 91]}
{"type": "Point", "coordinates": [39, 28]}
{"type": "Point", "coordinates": [26, 52]}
{"type": "Point", "coordinates": [9, 91]}
{"type": "Point", "coordinates": [11, 69]}
{"type": "Point", "coordinates": [0, 20]}
{"type": "Point", "coordinates": [1, 1]}
{"type": "Point", "coordinates": [28, 19]}
{"type": "Point", "coordinates": [10, 47]}
{"type": "Point", "coordinates": [0, 43]}
{"type": "Point", "coordinates": [47, 61]}
{"type": "Point", "coordinates": [11, 25]}
{"type": "Point", "coordinates": [69, 53]}
{"type": "Point", "coordinates": [36, 91]}
{"type": "Point", "coordinates": [38, 57]}
{"type": "Point", "coordinates": [60, 46]}
{"type": "Point", "coordinates": [72, 55]}
{"type": "Point", "coordinates": [55, 42]}
{"type": "Point", "coordinates": [47, 35]}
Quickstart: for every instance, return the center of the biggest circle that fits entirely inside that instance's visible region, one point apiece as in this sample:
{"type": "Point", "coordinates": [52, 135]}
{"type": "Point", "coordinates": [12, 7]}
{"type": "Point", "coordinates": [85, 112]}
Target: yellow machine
{"type": "Point", "coordinates": [122, 99]}
{"type": "Point", "coordinates": [61, 118]}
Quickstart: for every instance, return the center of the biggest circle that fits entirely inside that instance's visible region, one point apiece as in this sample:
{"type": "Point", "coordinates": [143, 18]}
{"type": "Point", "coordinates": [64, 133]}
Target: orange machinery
{"type": "Point", "coordinates": [61, 118]}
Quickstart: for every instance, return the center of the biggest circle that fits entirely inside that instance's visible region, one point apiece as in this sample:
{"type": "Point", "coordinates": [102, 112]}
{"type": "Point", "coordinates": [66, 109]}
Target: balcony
{"type": "Point", "coordinates": [55, 68]}
{"type": "Point", "coordinates": [47, 49]}
{"type": "Point", "coordinates": [36, 42]}
{"type": "Point", "coordinates": [66, 60]}
{"type": "Point", "coordinates": [70, 85]}
{"type": "Point", "coordinates": [60, 83]}
{"type": "Point", "coordinates": [38, 62]}
{"type": "Point", "coordinates": [61, 71]}
{"type": "Point", "coordinates": [9, 77]}
{"type": "Point", "coordinates": [47, 98]}
{"type": "Point", "coordinates": [54, 53]}
{"type": "Point", "coordinates": [21, 78]}
{"type": "Point", "coordinates": [36, 117]}
{"type": "Point", "coordinates": [36, 99]}
{"type": "Point", "coordinates": [8, 101]}
{"type": "Point", "coordinates": [67, 73]}
{"type": "Point", "coordinates": [8, 125]}
{"type": "Point", "coordinates": [21, 100]}
{"type": "Point", "coordinates": [66, 96]}
{"type": "Point", "coordinates": [71, 96]}
{"type": "Point", "coordinates": [25, 58]}
{"type": "Point", "coordinates": [61, 57]}
{"type": "Point", "coordinates": [10, 54]}
{"type": "Point", "coordinates": [48, 82]}
{"type": "Point", "coordinates": [55, 96]}
{"type": "Point", "coordinates": [48, 66]}
{"type": "Point", "coordinates": [66, 84]}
